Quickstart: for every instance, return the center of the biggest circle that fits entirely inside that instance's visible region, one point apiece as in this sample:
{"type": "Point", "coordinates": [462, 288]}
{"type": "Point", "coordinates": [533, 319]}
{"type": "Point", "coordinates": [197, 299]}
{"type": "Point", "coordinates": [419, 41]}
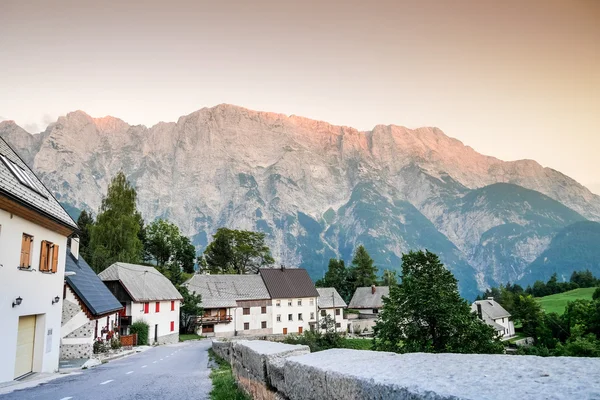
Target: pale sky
{"type": "Point", "coordinates": [512, 79]}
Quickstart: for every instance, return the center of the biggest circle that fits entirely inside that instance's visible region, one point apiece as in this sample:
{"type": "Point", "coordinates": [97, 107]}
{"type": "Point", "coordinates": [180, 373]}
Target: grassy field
{"type": "Point", "coordinates": [357, 344]}
{"type": "Point", "coordinates": [557, 302]}
{"type": "Point", "coordinates": [224, 386]}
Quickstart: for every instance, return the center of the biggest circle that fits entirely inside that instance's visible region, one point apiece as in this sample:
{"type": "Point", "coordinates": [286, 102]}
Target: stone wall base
{"type": "Point", "coordinates": [73, 351]}
{"type": "Point", "coordinates": [169, 339]}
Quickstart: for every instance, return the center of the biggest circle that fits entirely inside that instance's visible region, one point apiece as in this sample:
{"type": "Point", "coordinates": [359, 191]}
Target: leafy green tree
{"type": "Point", "coordinates": [363, 272]}
{"type": "Point", "coordinates": [185, 254]}
{"type": "Point", "coordinates": [237, 251]}
{"type": "Point", "coordinates": [527, 311]}
{"type": "Point", "coordinates": [389, 278]}
{"type": "Point", "coordinates": [85, 223]}
{"type": "Point", "coordinates": [191, 307]}
{"type": "Point", "coordinates": [336, 277]}
{"type": "Point", "coordinates": [425, 313]}
{"type": "Point", "coordinates": [161, 240]}
{"type": "Point", "coordinates": [114, 236]}
{"type": "Point", "coordinates": [596, 294]}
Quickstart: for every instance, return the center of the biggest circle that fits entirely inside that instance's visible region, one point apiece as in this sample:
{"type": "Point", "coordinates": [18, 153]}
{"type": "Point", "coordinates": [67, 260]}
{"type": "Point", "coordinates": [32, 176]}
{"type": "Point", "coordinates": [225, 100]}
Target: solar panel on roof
{"type": "Point", "coordinates": [22, 176]}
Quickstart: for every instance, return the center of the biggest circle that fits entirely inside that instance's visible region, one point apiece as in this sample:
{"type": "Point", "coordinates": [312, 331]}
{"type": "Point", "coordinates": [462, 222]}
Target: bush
{"type": "Point", "coordinates": [115, 343]}
{"type": "Point", "coordinates": [596, 294]}
{"type": "Point", "coordinates": [140, 328]}
{"type": "Point", "coordinates": [100, 347]}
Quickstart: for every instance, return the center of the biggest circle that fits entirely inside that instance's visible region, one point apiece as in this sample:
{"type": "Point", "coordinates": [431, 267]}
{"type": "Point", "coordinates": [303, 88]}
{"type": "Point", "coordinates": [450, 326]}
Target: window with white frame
{"type": "Point", "coordinates": [278, 303]}
{"type": "Point", "coordinates": [278, 317]}
{"type": "Point", "coordinates": [299, 302]}
{"type": "Point", "coordinates": [290, 303]}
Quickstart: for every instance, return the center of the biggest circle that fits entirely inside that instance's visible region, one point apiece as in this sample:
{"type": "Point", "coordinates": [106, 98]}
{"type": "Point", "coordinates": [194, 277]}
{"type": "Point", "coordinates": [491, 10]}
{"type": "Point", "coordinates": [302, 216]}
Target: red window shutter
{"type": "Point", "coordinates": [172, 305]}
{"type": "Point", "coordinates": [157, 309]}
{"type": "Point", "coordinates": [44, 256]}
{"type": "Point", "coordinates": [172, 326]}
{"type": "Point", "coordinates": [146, 308]}
{"type": "Point", "coordinates": [55, 259]}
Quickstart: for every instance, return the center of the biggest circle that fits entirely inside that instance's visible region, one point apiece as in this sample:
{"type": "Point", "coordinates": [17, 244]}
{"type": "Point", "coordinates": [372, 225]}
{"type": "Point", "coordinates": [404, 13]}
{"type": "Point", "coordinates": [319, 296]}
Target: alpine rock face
{"type": "Point", "coordinates": [317, 189]}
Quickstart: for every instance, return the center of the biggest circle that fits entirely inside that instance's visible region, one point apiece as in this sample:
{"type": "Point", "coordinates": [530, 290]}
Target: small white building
{"type": "Point", "coordinates": [33, 235]}
{"type": "Point", "coordinates": [234, 305]}
{"type": "Point", "coordinates": [90, 312]}
{"type": "Point", "coordinates": [368, 301]}
{"type": "Point", "coordinates": [146, 295]}
{"type": "Point", "coordinates": [331, 303]}
{"type": "Point", "coordinates": [493, 314]}
{"type": "Point", "coordinates": [293, 299]}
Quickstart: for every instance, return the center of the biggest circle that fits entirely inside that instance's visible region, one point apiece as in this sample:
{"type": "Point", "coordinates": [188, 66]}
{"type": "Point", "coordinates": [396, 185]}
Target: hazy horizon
{"type": "Point", "coordinates": [511, 80]}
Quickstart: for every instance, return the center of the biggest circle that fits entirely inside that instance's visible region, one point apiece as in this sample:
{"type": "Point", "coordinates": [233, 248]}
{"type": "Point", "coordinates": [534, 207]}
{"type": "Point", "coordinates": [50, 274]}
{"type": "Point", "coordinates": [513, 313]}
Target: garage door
{"type": "Point", "coordinates": [25, 340]}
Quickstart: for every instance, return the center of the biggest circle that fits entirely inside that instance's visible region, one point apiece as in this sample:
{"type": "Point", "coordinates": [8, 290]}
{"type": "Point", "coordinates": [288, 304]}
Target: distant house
{"type": "Point", "coordinates": [234, 305]}
{"type": "Point", "coordinates": [89, 312]}
{"type": "Point", "coordinates": [331, 303]}
{"type": "Point", "coordinates": [293, 298]}
{"type": "Point", "coordinates": [493, 314]}
{"type": "Point", "coordinates": [368, 300]}
{"type": "Point", "coordinates": [33, 236]}
{"type": "Point", "coordinates": [146, 295]}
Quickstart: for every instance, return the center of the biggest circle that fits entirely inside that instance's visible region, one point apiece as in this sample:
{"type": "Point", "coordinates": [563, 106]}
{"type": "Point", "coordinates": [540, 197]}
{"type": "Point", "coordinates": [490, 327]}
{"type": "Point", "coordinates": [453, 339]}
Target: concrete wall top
{"type": "Point", "coordinates": [267, 348]}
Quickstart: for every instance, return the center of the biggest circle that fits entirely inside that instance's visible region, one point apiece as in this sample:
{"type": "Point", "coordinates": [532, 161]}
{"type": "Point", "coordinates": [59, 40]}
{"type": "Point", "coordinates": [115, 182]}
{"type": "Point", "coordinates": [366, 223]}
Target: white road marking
{"type": "Point", "coordinates": [108, 381]}
{"type": "Point", "coordinates": [161, 359]}
{"type": "Point", "coordinates": [130, 372]}
{"type": "Point", "coordinates": [154, 362]}
{"type": "Point", "coordinates": [66, 398]}
{"type": "Point", "coordinates": [144, 366]}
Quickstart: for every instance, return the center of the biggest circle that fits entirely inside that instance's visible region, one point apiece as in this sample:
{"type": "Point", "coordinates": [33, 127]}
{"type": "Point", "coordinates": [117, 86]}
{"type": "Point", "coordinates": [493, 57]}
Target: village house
{"type": "Point", "coordinates": [331, 304]}
{"type": "Point", "coordinates": [146, 295]}
{"type": "Point", "coordinates": [493, 314]}
{"type": "Point", "coordinates": [368, 301]}
{"type": "Point", "coordinates": [90, 312]}
{"type": "Point", "coordinates": [293, 299]}
{"type": "Point", "coordinates": [33, 235]}
{"type": "Point", "coordinates": [234, 305]}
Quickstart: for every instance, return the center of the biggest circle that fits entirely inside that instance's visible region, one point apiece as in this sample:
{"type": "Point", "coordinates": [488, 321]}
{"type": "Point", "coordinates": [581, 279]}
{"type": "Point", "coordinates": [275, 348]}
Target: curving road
{"type": "Point", "coordinates": [178, 371]}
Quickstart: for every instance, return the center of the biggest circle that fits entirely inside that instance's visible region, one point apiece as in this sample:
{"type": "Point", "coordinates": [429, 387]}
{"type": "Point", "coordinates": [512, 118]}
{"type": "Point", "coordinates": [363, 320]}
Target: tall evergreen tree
{"type": "Point", "coordinates": [336, 277]}
{"type": "Point", "coordinates": [389, 278]}
{"type": "Point", "coordinates": [114, 236]}
{"type": "Point", "coordinates": [85, 223]}
{"type": "Point", "coordinates": [363, 272]}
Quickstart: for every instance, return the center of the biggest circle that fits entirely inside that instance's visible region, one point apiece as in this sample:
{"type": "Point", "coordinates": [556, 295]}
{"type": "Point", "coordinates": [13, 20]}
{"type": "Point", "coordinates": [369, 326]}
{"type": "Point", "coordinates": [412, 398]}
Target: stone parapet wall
{"type": "Point", "coordinates": [268, 370]}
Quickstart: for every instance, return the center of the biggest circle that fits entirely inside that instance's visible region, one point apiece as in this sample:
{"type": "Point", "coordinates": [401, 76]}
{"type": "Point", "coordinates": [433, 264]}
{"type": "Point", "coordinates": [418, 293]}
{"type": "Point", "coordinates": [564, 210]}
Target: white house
{"type": "Point", "coordinates": [234, 305]}
{"type": "Point", "coordinates": [293, 298]}
{"type": "Point", "coordinates": [493, 314]}
{"type": "Point", "coordinates": [368, 301]}
{"type": "Point", "coordinates": [33, 235]}
{"type": "Point", "coordinates": [331, 303]}
{"type": "Point", "coordinates": [90, 312]}
{"type": "Point", "coordinates": [146, 295]}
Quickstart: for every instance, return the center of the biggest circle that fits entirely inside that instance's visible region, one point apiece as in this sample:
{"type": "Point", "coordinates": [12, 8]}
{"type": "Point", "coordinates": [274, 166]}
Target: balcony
{"type": "Point", "coordinates": [125, 320]}
{"type": "Point", "coordinates": [215, 319]}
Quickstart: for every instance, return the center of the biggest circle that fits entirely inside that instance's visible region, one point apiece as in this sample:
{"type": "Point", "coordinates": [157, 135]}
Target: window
{"type": "Point", "coordinates": [337, 311]}
{"type": "Point", "coordinates": [300, 302]}
{"type": "Point", "coordinates": [172, 326]}
{"type": "Point", "coordinates": [263, 324]}
{"type": "Point", "coordinates": [146, 308]}
{"type": "Point", "coordinates": [48, 257]}
{"type": "Point", "coordinates": [172, 305]}
{"type": "Point", "coordinates": [246, 310]}
{"type": "Point", "coordinates": [312, 315]}
{"type": "Point", "coordinates": [502, 320]}
{"type": "Point", "coordinates": [312, 302]}
{"type": "Point", "coordinates": [338, 325]}
{"type": "Point", "coordinates": [299, 316]}
{"type": "Point", "coordinates": [323, 313]}
{"type": "Point", "coordinates": [278, 317]}
{"type": "Point", "coordinates": [22, 176]}
{"type": "Point", "coordinates": [157, 307]}
{"type": "Point", "coordinates": [26, 247]}
{"type": "Point", "coordinates": [375, 311]}
{"type": "Point", "coordinates": [285, 331]}
{"type": "Point", "coordinates": [289, 303]}
{"type": "Point", "coordinates": [246, 326]}
{"type": "Point", "coordinates": [278, 303]}
{"type": "Point", "coordinates": [290, 317]}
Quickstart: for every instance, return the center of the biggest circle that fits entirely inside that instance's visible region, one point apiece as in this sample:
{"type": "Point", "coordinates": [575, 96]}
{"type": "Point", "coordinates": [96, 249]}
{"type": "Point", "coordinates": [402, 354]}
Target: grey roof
{"type": "Point", "coordinates": [288, 283]}
{"type": "Point", "coordinates": [327, 297]}
{"type": "Point", "coordinates": [89, 287]}
{"type": "Point", "coordinates": [364, 298]}
{"type": "Point", "coordinates": [39, 198]}
{"type": "Point", "coordinates": [224, 290]}
{"type": "Point", "coordinates": [141, 282]}
{"type": "Point", "coordinates": [491, 308]}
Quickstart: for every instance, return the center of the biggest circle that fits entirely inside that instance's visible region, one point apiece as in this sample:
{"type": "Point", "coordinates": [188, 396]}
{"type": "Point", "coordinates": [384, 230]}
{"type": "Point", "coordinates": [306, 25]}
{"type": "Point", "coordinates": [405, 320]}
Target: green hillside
{"type": "Point", "coordinates": [557, 302]}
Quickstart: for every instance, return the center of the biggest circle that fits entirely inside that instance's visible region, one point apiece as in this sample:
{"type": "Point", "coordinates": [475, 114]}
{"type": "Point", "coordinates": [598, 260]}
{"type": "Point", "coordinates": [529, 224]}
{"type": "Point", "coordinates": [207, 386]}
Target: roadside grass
{"type": "Point", "coordinates": [357, 344]}
{"type": "Point", "coordinates": [557, 302]}
{"type": "Point", "coordinates": [224, 386]}
{"type": "Point", "coordinates": [189, 336]}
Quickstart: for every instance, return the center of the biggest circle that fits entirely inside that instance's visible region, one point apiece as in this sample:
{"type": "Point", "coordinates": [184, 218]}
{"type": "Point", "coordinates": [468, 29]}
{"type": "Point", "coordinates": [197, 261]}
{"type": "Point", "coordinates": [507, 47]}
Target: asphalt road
{"type": "Point", "coordinates": [179, 371]}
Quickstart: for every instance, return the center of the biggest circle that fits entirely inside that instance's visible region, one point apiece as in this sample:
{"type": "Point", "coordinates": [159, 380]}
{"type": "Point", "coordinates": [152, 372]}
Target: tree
{"type": "Point", "coordinates": [237, 251]}
{"type": "Point", "coordinates": [527, 311]}
{"type": "Point", "coordinates": [85, 223]}
{"type": "Point", "coordinates": [114, 236]}
{"type": "Point", "coordinates": [389, 278]}
{"type": "Point", "coordinates": [185, 254]}
{"type": "Point", "coordinates": [425, 313]}
{"type": "Point", "coordinates": [336, 277]}
{"type": "Point", "coordinates": [363, 272]}
{"type": "Point", "coordinates": [596, 294]}
{"type": "Point", "coordinates": [191, 307]}
{"type": "Point", "coordinates": [161, 240]}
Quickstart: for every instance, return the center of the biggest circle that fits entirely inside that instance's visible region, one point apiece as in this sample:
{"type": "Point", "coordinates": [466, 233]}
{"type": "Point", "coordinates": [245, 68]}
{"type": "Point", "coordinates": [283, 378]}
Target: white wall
{"type": "Point", "coordinates": [163, 318]}
{"type": "Point", "coordinates": [284, 310]}
{"type": "Point", "coordinates": [254, 319]}
{"type": "Point", "coordinates": [509, 327]}
{"type": "Point", "coordinates": [337, 318]}
{"type": "Point", "coordinates": [37, 290]}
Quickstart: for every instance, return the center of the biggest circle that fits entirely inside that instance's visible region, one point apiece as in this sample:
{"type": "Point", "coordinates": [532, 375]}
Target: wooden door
{"type": "Point", "coordinates": [300, 329]}
{"type": "Point", "coordinates": [285, 331]}
{"type": "Point", "coordinates": [25, 342]}
{"type": "Point", "coordinates": [155, 333]}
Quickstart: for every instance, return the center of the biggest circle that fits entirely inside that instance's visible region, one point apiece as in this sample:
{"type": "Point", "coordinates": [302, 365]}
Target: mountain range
{"type": "Point", "coordinates": [318, 190]}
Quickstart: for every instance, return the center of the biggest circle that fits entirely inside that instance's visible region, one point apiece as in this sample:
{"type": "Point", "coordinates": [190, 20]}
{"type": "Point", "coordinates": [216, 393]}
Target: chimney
{"type": "Point", "coordinates": [75, 247]}
{"type": "Point", "coordinates": [282, 267]}
{"type": "Point", "coordinates": [373, 289]}
{"type": "Point", "coordinates": [479, 313]}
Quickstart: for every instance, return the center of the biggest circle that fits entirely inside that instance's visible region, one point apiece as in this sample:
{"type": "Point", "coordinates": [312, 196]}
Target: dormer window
{"type": "Point", "coordinates": [22, 176]}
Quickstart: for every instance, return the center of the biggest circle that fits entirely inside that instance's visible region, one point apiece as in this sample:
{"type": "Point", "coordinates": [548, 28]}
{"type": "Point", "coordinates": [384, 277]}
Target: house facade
{"type": "Point", "coordinates": [234, 305]}
{"type": "Point", "coordinates": [331, 304]}
{"type": "Point", "coordinates": [33, 235]}
{"type": "Point", "coordinates": [293, 299]}
{"type": "Point", "coordinates": [90, 312]}
{"type": "Point", "coordinates": [493, 314]}
{"type": "Point", "coordinates": [368, 301]}
{"type": "Point", "coordinates": [146, 295]}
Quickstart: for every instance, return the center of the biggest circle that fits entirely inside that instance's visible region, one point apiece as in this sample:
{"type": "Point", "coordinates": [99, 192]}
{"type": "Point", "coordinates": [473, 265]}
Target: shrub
{"type": "Point", "coordinates": [100, 347]}
{"type": "Point", "coordinates": [115, 343]}
{"type": "Point", "coordinates": [140, 328]}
